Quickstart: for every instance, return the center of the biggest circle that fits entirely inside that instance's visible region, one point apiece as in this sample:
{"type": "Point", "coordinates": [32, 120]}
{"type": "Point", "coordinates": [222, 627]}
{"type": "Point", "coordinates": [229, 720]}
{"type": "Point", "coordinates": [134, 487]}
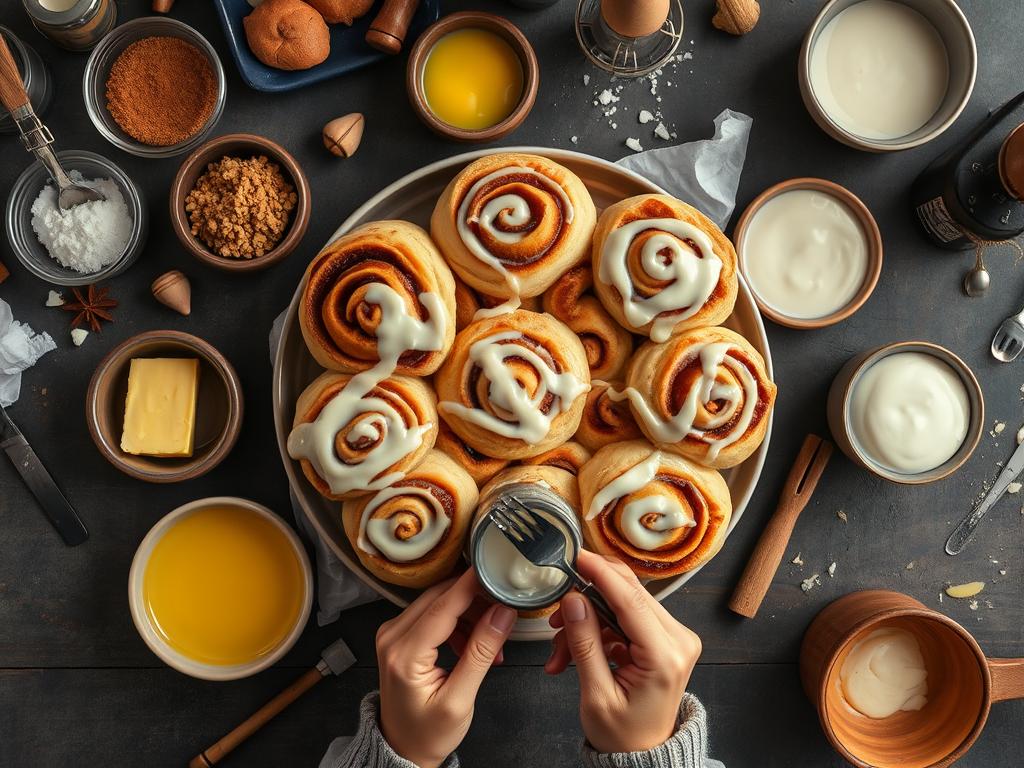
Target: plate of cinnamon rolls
{"type": "Point", "coordinates": [525, 307]}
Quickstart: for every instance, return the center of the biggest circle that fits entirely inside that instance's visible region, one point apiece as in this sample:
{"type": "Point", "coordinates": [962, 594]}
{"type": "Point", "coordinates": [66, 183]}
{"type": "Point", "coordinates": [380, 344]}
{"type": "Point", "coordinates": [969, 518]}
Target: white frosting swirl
{"type": "Point", "coordinates": [379, 536]}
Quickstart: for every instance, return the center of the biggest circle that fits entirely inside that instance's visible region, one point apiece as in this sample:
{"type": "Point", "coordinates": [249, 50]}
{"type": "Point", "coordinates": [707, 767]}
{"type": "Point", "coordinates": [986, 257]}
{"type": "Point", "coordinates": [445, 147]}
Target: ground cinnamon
{"type": "Point", "coordinates": [161, 90]}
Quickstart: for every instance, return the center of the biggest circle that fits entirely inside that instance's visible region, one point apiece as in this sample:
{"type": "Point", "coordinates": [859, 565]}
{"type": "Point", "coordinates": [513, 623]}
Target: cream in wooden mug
{"type": "Point", "coordinates": [884, 673]}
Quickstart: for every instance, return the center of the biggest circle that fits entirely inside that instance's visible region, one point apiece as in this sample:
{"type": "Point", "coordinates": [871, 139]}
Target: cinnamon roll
{"type": "Point", "coordinates": [569, 456]}
{"type": "Point", "coordinates": [480, 467]}
{"type": "Point", "coordinates": [514, 385]}
{"type": "Point", "coordinates": [509, 224]}
{"type": "Point", "coordinates": [608, 345]}
{"type": "Point", "coordinates": [468, 302]}
{"type": "Point", "coordinates": [381, 291]}
{"type": "Point", "coordinates": [606, 419]}
{"type": "Point", "coordinates": [704, 394]}
{"type": "Point", "coordinates": [659, 513]}
{"type": "Point", "coordinates": [412, 532]}
{"type": "Point", "coordinates": [662, 266]}
{"type": "Point", "coordinates": [355, 434]}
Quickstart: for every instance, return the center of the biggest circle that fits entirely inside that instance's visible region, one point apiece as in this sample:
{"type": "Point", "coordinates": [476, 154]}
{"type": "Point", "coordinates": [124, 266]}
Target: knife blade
{"type": "Point", "coordinates": [56, 508]}
{"type": "Point", "coordinates": [965, 530]}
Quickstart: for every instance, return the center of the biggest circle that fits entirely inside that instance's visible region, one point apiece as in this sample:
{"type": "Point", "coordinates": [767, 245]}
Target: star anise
{"type": "Point", "coordinates": [92, 307]}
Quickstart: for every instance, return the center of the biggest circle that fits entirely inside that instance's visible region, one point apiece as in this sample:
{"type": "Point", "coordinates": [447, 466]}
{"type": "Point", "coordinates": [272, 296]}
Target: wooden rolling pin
{"type": "Point", "coordinates": [388, 30]}
{"type": "Point", "coordinates": [764, 562]}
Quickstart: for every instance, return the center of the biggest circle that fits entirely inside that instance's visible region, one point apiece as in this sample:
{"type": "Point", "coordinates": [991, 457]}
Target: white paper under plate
{"type": "Point", "coordinates": [412, 198]}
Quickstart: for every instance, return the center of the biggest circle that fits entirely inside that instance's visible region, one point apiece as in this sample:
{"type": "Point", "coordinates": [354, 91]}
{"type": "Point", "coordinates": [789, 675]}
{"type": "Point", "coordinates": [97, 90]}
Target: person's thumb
{"type": "Point", "coordinates": [583, 633]}
{"type": "Point", "coordinates": [484, 644]}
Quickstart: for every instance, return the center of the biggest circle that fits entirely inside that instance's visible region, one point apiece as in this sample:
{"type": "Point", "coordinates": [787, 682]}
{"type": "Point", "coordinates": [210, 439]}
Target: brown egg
{"type": "Point", "coordinates": [635, 18]}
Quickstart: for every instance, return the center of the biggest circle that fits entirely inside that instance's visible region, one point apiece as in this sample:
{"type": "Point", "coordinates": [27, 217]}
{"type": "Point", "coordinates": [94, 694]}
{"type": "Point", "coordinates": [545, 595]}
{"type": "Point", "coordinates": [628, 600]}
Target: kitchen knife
{"type": "Point", "coordinates": [56, 508]}
{"type": "Point", "coordinates": [962, 533]}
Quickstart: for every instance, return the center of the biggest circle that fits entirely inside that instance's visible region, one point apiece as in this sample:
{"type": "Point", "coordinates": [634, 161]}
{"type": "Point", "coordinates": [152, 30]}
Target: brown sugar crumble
{"type": "Point", "coordinates": [161, 90]}
{"type": "Point", "coordinates": [240, 208]}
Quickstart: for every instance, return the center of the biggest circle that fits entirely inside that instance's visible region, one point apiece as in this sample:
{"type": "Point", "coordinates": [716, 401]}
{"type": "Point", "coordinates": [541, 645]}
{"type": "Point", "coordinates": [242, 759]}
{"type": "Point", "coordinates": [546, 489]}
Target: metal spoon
{"type": "Point", "coordinates": [977, 280]}
{"type": "Point", "coordinates": [35, 136]}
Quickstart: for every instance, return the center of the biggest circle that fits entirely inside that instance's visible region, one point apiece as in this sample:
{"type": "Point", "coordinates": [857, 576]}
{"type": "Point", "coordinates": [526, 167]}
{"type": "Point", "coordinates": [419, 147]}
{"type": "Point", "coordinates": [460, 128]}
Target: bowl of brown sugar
{"type": "Point", "coordinates": [154, 87]}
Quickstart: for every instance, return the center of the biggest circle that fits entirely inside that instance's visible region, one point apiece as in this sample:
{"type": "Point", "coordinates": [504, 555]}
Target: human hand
{"type": "Point", "coordinates": [634, 707]}
{"type": "Point", "coordinates": [425, 710]}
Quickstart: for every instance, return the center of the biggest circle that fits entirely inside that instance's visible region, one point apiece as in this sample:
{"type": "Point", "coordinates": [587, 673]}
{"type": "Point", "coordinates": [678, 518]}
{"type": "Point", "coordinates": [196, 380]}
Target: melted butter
{"type": "Point", "coordinates": [884, 673]}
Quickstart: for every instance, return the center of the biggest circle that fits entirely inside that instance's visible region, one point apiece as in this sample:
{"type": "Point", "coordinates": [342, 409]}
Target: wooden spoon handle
{"type": "Point", "coordinates": [1007, 679]}
{"type": "Point", "coordinates": [764, 562]}
{"type": "Point", "coordinates": [389, 28]}
{"type": "Point", "coordinates": [12, 89]}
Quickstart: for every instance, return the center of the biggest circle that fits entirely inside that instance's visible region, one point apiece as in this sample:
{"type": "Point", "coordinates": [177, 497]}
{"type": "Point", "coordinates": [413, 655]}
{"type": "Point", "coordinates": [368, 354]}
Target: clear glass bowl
{"type": "Point", "coordinates": [33, 254]}
{"type": "Point", "coordinates": [97, 70]}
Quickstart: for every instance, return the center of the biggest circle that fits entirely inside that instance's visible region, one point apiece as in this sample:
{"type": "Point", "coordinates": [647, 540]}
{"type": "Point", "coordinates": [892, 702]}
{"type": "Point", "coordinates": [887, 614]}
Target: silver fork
{"type": "Point", "coordinates": [540, 542]}
{"type": "Point", "coordinates": [1008, 342]}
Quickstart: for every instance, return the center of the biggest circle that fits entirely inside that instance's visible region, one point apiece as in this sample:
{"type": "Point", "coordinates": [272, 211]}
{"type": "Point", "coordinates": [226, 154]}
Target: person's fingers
{"type": "Point", "coordinates": [457, 642]}
{"type": "Point", "coordinates": [399, 625]}
{"type": "Point", "coordinates": [482, 648]}
{"type": "Point", "coordinates": [560, 657]}
{"type": "Point", "coordinates": [438, 619]}
{"type": "Point", "coordinates": [555, 619]}
{"type": "Point", "coordinates": [583, 636]}
{"type": "Point", "coordinates": [618, 654]}
{"type": "Point", "coordinates": [627, 597]}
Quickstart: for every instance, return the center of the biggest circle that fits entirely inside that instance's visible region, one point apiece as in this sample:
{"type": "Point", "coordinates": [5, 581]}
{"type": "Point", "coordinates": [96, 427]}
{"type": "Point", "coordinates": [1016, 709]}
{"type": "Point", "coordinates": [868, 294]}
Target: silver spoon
{"type": "Point", "coordinates": [35, 136]}
{"type": "Point", "coordinates": [977, 280]}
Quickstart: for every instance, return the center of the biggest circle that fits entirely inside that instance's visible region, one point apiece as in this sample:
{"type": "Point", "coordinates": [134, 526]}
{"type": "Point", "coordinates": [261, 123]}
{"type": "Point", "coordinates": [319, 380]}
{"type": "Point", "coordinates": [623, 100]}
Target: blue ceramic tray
{"type": "Point", "coordinates": [349, 50]}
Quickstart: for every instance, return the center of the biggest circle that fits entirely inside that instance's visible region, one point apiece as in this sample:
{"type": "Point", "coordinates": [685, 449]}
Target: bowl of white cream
{"type": "Point", "coordinates": [810, 251]}
{"type": "Point", "coordinates": [911, 412]}
{"type": "Point", "coordinates": [885, 75]}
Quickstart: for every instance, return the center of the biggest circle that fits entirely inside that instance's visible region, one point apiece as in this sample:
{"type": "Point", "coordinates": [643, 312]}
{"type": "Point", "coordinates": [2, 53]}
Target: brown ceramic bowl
{"type": "Point", "coordinates": [962, 683]}
{"type": "Point", "coordinates": [867, 223]}
{"type": "Point", "coordinates": [841, 392]}
{"type": "Point", "coordinates": [219, 407]}
{"type": "Point", "coordinates": [474, 19]}
{"type": "Point", "coordinates": [239, 145]}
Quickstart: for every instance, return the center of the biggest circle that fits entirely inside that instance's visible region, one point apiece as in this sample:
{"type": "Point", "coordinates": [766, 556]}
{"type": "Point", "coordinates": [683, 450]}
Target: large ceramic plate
{"type": "Point", "coordinates": [412, 198]}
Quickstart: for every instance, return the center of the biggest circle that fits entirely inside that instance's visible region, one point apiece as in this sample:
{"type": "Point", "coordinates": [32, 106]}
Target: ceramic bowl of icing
{"type": "Point", "coordinates": [839, 418]}
{"type": "Point", "coordinates": [961, 52]}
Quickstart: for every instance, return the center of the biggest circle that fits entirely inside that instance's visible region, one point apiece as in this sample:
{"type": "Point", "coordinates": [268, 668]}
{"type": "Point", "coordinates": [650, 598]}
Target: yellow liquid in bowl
{"type": "Point", "coordinates": [472, 79]}
{"type": "Point", "coordinates": [223, 586]}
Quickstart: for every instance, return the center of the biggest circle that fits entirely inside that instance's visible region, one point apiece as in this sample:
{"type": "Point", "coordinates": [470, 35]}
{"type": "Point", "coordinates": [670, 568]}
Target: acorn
{"type": "Point", "coordinates": [343, 134]}
{"type": "Point", "coordinates": [172, 289]}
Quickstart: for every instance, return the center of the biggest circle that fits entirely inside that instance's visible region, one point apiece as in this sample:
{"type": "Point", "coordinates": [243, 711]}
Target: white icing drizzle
{"type": "Point", "coordinates": [669, 515]}
{"type": "Point", "coordinates": [680, 425]}
{"type": "Point", "coordinates": [505, 308]}
{"type": "Point", "coordinates": [691, 279]}
{"type": "Point", "coordinates": [528, 423]}
{"type": "Point", "coordinates": [372, 418]}
{"type": "Point", "coordinates": [377, 536]}
{"type": "Point", "coordinates": [630, 481]}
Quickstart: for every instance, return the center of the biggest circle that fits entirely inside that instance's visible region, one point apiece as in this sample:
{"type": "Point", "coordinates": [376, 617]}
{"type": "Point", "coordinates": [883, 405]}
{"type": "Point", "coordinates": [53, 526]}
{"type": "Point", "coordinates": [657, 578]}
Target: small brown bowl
{"type": "Point", "coordinates": [463, 20]}
{"type": "Point", "coordinates": [845, 382]}
{"type": "Point", "coordinates": [239, 145]}
{"type": "Point", "coordinates": [867, 223]}
{"type": "Point", "coordinates": [219, 407]}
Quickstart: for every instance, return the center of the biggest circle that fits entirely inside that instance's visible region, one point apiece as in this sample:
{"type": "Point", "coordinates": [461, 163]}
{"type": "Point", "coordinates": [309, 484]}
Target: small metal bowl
{"type": "Point", "coordinates": [33, 254]}
{"type": "Point", "coordinates": [97, 70]}
{"type": "Point", "coordinates": [845, 383]}
{"type": "Point", "coordinates": [954, 29]}
{"type": "Point", "coordinates": [475, 20]}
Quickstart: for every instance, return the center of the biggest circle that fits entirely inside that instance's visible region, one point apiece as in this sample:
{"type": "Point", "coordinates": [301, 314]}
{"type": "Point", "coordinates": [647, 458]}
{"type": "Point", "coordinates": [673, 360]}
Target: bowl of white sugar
{"type": "Point", "coordinates": [86, 244]}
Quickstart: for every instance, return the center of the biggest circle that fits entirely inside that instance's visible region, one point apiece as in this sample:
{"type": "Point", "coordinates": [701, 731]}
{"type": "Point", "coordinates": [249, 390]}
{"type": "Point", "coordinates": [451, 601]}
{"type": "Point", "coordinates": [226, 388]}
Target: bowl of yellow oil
{"type": "Point", "coordinates": [220, 588]}
{"type": "Point", "coordinates": [472, 77]}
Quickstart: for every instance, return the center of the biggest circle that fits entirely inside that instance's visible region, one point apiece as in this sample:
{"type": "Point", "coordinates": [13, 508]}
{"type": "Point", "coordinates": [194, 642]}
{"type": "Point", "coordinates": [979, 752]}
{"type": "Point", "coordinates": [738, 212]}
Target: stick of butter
{"type": "Point", "coordinates": [160, 410]}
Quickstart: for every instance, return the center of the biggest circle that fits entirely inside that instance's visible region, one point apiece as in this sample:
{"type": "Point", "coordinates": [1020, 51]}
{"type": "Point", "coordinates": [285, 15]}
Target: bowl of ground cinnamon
{"type": "Point", "coordinates": [240, 202]}
{"type": "Point", "coordinates": [154, 87]}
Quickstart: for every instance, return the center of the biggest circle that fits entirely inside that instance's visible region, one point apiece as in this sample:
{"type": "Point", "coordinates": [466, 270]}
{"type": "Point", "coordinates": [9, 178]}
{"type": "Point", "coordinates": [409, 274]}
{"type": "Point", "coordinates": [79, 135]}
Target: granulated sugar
{"type": "Point", "coordinates": [89, 236]}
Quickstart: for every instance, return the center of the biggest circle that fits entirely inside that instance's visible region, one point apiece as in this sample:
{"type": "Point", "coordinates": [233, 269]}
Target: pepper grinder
{"type": "Point", "coordinates": [629, 38]}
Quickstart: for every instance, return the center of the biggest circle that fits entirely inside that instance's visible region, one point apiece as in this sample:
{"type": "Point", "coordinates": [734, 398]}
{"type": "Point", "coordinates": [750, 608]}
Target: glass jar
{"type": "Point", "coordinates": [73, 24]}
{"type": "Point", "coordinates": [34, 74]}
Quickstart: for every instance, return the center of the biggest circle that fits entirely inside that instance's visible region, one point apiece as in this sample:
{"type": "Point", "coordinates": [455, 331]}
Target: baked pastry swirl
{"type": "Point", "coordinates": [662, 266]}
{"type": "Point", "coordinates": [354, 434]}
{"type": "Point", "coordinates": [569, 456]}
{"type": "Point", "coordinates": [509, 224]}
{"type": "Point", "coordinates": [412, 532]}
{"type": "Point", "coordinates": [608, 345]}
{"type": "Point", "coordinates": [704, 394]}
{"type": "Point", "coordinates": [659, 513]}
{"type": "Point", "coordinates": [366, 282]}
{"type": "Point", "coordinates": [479, 466]}
{"type": "Point", "coordinates": [606, 419]}
{"type": "Point", "coordinates": [514, 385]}
{"type": "Point", "coordinates": [469, 301]}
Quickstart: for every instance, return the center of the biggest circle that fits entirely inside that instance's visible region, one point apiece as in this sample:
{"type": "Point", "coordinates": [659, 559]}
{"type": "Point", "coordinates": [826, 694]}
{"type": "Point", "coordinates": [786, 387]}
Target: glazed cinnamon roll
{"type": "Point", "coordinates": [383, 290]}
{"type": "Point", "coordinates": [659, 513]}
{"type": "Point", "coordinates": [662, 266]}
{"type": "Point", "coordinates": [354, 434]}
{"type": "Point", "coordinates": [514, 385]}
{"type": "Point", "coordinates": [606, 419]}
{"type": "Point", "coordinates": [509, 224]}
{"type": "Point", "coordinates": [480, 467]}
{"type": "Point", "coordinates": [569, 456]}
{"type": "Point", "coordinates": [704, 394]}
{"type": "Point", "coordinates": [608, 345]}
{"type": "Point", "coordinates": [412, 533]}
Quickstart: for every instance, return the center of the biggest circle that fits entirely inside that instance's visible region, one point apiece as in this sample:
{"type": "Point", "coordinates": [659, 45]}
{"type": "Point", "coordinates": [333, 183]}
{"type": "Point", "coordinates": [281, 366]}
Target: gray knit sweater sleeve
{"type": "Point", "coordinates": [687, 748]}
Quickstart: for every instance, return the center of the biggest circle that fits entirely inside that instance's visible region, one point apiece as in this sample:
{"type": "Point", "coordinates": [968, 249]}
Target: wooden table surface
{"type": "Point", "coordinates": [77, 685]}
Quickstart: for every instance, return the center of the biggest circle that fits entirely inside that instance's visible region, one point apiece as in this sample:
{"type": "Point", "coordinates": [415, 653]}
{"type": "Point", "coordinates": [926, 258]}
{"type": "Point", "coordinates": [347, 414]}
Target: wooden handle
{"type": "Point", "coordinates": [163, 6]}
{"type": "Point", "coordinates": [764, 562]}
{"type": "Point", "coordinates": [1007, 679]}
{"type": "Point", "coordinates": [388, 30]}
{"type": "Point", "coordinates": [213, 755]}
{"type": "Point", "coordinates": [12, 89]}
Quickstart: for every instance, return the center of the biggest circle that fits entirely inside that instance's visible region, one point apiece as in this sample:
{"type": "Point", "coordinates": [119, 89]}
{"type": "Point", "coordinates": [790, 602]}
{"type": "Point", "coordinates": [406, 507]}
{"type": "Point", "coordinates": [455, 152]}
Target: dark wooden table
{"type": "Point", "coordinates": [77, 685]}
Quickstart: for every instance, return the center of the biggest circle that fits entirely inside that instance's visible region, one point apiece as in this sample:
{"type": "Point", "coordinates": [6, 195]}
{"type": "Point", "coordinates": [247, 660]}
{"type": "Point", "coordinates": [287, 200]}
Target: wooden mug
{"type": "Point", "coordinates": [962, 683]}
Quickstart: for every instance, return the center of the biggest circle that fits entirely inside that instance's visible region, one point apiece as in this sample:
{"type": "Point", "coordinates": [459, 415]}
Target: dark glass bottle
{"type": "Point", "coordinates": [975, 190]}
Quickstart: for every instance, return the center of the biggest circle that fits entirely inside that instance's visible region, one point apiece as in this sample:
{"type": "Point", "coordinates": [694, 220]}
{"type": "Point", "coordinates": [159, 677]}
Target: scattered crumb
{"type": "Point", "coordinates": [1014, 488]}
{"type": "Point", "coordinates": [662, 132]}
{"type": "Point", "coordinates": [78, 336]}
{"type": "Point", "coordinates": [586, 79]}
{"type": "Point", "coordinates": [645, 116]}
{"type": "Point", "coordinates": [940, 597]}
{"type": "Point", "coordinates": [54, 299]}
{"type": "Point", "coordinates": [809, 583]}
{"type": "Point", "coordinates": [1002, 571]}
{"type": "Point", "coordinates": [575, 139]}
{"type": "Point", "coordinates": [606, 97]}
{"type": "Point", "coordinates": [797, 560]}
{"type": "Point", "coordinates": [989, 604]}
{"type": "Point", "coordinates": [998, 427]}
{"type": "Point", "coordinates": [832, 570]}
{"type": "Point", "coordinates": [961, 591]}
{"type": "Point", "coordinates": [973, 605]}
{"type": "Point", "coordinates": [909, 566]}
{"type": "Point", "coordinates": [634, 144]}
{"type": "Point", "coordinates": [1020, 436]}
{"type": "Point", "coordinates": [842, 516]}
{"type": "Point", "coordinates": [688, 55]}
